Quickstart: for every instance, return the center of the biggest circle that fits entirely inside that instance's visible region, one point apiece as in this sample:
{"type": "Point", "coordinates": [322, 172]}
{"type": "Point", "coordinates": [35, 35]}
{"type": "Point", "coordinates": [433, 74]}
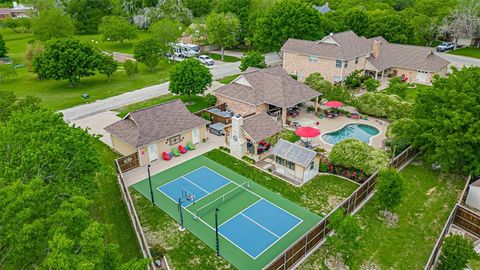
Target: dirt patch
{"type": "Point", "coordinates": [430, 191]}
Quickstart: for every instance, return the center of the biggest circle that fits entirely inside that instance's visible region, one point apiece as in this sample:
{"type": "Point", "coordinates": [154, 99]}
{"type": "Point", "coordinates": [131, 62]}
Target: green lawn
{"type": "Point", "coordinates": [228, 79]}
{"type": "Point", "coordinates": [227, 58]}
{"type": "Point", "coordinates": [411, 92]}
{"type": "Point", "coordinates": [289, 135]}
{"type": "Point", "coordinates": [58, 95]}
{"type": "Point", "coordinates": [429, 198]}
{"type": "Point", "coordinates": [468, 51]}
{"type": "Point", "coordinates": [197, 103]}
{"type": "Point", "coordinates": [109, 207]}
{"type": "Point", "coordinates": [97, 41]}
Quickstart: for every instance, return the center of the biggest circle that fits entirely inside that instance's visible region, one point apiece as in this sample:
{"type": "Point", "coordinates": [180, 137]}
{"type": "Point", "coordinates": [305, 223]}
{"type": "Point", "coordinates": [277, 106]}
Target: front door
{"type": "Point", "coordinates": [195, 135]}
{"type": "Point", "coordinates": [152, 152]}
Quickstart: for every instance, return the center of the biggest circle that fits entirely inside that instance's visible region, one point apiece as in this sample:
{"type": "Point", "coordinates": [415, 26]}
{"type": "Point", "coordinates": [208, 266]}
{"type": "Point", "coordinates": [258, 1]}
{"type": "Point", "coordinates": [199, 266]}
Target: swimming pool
{"type": "Point", "coordinates": [361, 132]}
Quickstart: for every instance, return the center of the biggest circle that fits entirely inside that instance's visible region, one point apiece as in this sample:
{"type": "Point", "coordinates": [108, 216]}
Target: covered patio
{"type": "Point", "coordinates": [257, 130]}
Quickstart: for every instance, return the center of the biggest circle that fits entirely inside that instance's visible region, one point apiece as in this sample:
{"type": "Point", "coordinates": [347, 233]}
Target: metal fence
{"type": "Point", "coordinates": [313, 238]}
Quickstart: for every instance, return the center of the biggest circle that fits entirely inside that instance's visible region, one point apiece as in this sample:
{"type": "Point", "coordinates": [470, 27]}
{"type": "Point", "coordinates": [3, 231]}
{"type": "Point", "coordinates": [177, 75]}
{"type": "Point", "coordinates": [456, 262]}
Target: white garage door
{"type": "Point", "coordinates": [422, 76]}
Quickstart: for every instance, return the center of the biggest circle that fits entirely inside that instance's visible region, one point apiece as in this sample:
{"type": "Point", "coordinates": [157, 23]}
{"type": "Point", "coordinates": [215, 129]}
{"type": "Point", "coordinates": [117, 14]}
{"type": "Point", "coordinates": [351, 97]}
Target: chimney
{"type": "Point", "coordinates": [376, 48]}
{"type": "Point", "coordinates": [238, 146]}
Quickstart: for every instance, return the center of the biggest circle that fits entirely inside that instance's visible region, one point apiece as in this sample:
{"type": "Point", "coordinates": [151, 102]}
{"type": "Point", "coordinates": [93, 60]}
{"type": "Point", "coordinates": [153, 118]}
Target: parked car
{"type": "Point", "coordinates": [206, 60]}
{"type": "Point", "coordinates": [445, 46]}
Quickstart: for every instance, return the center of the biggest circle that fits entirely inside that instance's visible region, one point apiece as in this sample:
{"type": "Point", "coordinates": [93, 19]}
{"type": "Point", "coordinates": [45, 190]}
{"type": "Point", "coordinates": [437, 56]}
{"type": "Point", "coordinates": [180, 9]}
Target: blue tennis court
{"type": "Point", "coordinates": [200, 183]}
{"type": "Point", "coordinates": [258, 227]}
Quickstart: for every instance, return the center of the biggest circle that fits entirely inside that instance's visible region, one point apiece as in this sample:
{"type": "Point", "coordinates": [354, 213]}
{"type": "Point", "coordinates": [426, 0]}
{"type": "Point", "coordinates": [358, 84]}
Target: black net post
{"type": "Point", "coordinates": [217, 244]}
{"type": "Point", "coordinates": [150, 184]}
{"type": "Point", "coordinates": [181, 213]}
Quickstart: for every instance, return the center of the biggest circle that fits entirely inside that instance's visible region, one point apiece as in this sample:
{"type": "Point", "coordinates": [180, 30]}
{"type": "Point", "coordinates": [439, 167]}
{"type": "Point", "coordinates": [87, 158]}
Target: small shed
{"type": "Point", "coordinates": [473, 196]}
{"type": "Point", "coordinates": [295, 161]}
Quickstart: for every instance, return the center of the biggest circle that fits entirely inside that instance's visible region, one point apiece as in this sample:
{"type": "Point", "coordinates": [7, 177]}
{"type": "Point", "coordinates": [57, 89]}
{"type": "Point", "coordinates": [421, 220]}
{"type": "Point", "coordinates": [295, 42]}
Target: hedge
{"type": "Point", "coordinates": [384, 106]}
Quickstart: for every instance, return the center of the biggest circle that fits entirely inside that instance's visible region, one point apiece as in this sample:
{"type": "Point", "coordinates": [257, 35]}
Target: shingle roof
{"type": "Point", "coordinates": [4, 11]}
{"type": "Point", "coordinates": [476, 183]}
{"type": "Point", "coordinates": [145, 126]}
{"type": "Point", "coordinates": [271, 85]}
{"type": "Point", "coordinates": [405, 56]}
{"type": "Point", "coordinates": [344, 46]}
{"type": "Point", "coordinates": [261, 126]}
{"type": "Point", "coordinates": [294, 153]}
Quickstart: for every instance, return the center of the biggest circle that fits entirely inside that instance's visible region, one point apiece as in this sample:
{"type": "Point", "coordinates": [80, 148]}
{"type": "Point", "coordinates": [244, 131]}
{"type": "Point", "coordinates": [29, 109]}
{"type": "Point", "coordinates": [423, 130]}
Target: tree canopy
{"type": "Point", "coordinates": [189, 77]}
{"type": "Point", "coordinates": [166, 32]}
{"type": "Point", "coordinates": [223, 30]}
{"type": "Point", "coordinates": [148, 52]}
{"type": "Point", "coordinates": [47, 27]}
{"type": "Point", "coordinates": [252, 59]}
{"type": "Point", "coordinates": [456, 253]}
{"type": "Point", "coordinates": [87, 14]}
{"type": "Point", "coordinates": [114, 28]}
{"type": "Point", "coordinates": [389, 189]}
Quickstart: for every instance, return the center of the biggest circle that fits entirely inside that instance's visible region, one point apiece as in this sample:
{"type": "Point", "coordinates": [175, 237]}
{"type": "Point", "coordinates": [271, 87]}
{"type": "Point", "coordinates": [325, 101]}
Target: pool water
{"type": "Point", "coordinates": [361, 132]}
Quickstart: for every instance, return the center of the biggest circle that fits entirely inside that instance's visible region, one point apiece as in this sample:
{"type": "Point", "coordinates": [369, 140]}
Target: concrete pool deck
{"type": "Point", "coordinates": [327, 125]}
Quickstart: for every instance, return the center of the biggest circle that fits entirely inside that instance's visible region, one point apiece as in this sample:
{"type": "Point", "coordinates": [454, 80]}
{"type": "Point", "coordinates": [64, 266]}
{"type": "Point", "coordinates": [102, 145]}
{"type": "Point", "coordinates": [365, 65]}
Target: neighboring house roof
{"type": "Point", "coordinates": [323, 9]}
{"type": "Point", "coordinates": [4, 11]}
{"type": "Point", "coordinates": [145, 126]}
{"type": "Point", "coordinates": [344, 46]}
{"type": "Point", "coordinates": [476, 183]}
{"type": "Point", "coordinates": [271, 85]}
{"type": "Point", "coordinates": [405, 56]}
{"type": "Point", "coordinates": [261, 126]}
{"type": "Point", "coordinates": [293, 152]}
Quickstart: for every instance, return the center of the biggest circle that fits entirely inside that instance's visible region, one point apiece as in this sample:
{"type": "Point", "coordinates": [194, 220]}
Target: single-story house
{"type": "Point", "coordinates": [157, 129]}
{"type": "Point", "coordinates": [270, 90]}
{"type": "Point", "coordinates": [473, 196]}
{"type": "Point", "coordinates": [245, 135]}
{"type": "Point", "coordinates": [295, 161]}
{"type": "Point", "coordinates": [338, 55]}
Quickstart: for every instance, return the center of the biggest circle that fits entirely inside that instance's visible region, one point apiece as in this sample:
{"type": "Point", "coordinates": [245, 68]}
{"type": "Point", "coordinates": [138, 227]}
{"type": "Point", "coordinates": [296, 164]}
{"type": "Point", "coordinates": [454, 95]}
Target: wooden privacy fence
{"type": "Point", "coordinates": [128, 163]}
{"type": "Point", "coordinates": [314, 237]}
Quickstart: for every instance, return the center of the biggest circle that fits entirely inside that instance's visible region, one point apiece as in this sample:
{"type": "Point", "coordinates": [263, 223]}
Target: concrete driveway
{"type": "Point", "coordinates": [96, 124]}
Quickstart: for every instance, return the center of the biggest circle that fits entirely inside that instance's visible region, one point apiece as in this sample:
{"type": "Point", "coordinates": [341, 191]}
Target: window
{"type": "Point", "coordinates": [338, 63]}
{"type": "Point", "coordinates": [285, 163]}
{"type": "Point", "coordinates": [312, 58]}
{"type": "Point", "coordinates": [356, 60]}
{"type": "Point", "coordinates": [311, 166]}
{"type": "Point", "coordinates": [174, 140]}
{"type": "Point", "coordinates": [345, 64]}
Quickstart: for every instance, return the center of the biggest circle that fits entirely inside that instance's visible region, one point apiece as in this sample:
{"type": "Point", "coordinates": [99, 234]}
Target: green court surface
{"type": "Point", "coordinates": [255, 224]}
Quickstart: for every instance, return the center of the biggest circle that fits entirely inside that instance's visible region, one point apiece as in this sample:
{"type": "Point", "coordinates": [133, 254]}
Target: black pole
{"type": "Point", "coordinates": [150, 184]}
{"type": "Point", "coordinates": [217, 244]}
{"type": "Point", "coordinates": [181, 213]}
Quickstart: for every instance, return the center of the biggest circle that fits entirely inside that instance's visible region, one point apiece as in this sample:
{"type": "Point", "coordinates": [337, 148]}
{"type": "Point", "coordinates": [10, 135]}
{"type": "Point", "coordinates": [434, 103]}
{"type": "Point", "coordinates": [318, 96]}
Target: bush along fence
{"type": "Point", "coordinates": [460, 216]}
{"type": "Point", "coordinates": [312, 240]}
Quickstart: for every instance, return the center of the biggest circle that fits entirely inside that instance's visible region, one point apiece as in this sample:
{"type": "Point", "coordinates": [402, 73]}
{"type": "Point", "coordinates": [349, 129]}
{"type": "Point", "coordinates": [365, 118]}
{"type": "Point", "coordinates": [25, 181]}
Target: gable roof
{"type": "Point", "coordinates": [476, 183]}
{"type": "Point", "coordinates": [405, 56]}
{"type": "Point", "coordinates": [261, 126]}
{"type": "Point", "coordinates": [271, 85]}
{"type": "Point", "coordinates": [294, 153]}
{"type": "Point", "coordinates": [152, 124]}
{"type": "Point", "coordinates": [344, 46]}
{"type": "Point", "coordinates": [4, 11]}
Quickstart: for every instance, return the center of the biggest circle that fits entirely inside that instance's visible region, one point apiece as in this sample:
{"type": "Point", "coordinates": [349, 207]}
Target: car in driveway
{"type": "Point", "coordinates": [445, 46]}
{"type": "Point", "coordinates": [206, 60]}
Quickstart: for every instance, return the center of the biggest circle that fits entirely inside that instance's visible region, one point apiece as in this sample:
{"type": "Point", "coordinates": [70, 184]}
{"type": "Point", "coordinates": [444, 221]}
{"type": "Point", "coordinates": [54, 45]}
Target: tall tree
{"type": "Point", "coordinates": [456, 252]}
{"type": "Point", "coordinates": [115, 28]}
{"type": "Point", "coordinates": [148, 52]}
{"type": "Point", "coordinates": [464, 21]}
{"type": "Point", "coordinates": [87, 14]}
{"type": "Point", "coordinates": [287, 19]}
{"type": "Point", "coordinates": [391, 26]}
{"type": "Point", "coordinates": [166, 32]}
{"type": "Point", "coordinates": [107, 66]}
{"type": "Point", "coordinates": [199, 8]}
{"type": "Point", "coordinates": [252, 59]}
{"type": "Point", "coordinates": [389, 189]}
{"type": "Point", "coordinates": [67, 59]}
{"type": "Point", "coordinates": [223, 30]}
{"type": "Point", "coordinates": [3, 47]}
{"type": "Point", "coordinates": [48, 25]}
{"type": "Point", "coordinates": [426, 28]}
{"type": "Point", "coordinates": [189, 77]}
{"type": "Point", "coordinates": [356, 19]}
{"type": "Point", "coordinates": [240, 8]}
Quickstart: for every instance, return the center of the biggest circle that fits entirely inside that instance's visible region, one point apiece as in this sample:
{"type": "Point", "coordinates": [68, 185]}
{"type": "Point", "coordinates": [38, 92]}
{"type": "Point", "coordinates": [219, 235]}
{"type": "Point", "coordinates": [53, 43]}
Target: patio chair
{"type": "Point", "coordinates": [166, 156]}
{"type": "Point", "coordinates": [190, 146]}
{"type": "Point", "coordinates": [175, 152]}
{"type": "Point", "coordinates": [182, 149]}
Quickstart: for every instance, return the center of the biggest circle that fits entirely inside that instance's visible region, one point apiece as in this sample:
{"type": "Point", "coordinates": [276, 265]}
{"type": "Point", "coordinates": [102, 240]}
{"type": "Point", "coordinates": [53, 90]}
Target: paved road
{"type": "Point", "coordinates": [103, 105]}
{"type": "Point", "coordinates": [460, 61]}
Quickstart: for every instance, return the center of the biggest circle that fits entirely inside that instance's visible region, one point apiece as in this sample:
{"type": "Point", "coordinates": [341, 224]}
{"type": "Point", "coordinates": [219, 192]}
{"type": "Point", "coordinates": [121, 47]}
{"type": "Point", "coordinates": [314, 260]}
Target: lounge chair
{"type": "Point", "coordinates": [182, 149]}
{"type": "Point", "coordinates": [175, 152]}
{"type": "Point", "coordinates": [166, 156]}
{"type": "Point", "coordinates": [190, 146]}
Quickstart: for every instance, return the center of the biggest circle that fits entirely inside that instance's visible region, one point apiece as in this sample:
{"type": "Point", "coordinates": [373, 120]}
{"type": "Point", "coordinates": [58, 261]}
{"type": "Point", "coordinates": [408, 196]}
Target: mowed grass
{"type": "Point", "coordinates": [429, 199]}
{"type": "Point", "coordinates": [412, 92]}
{"type": "Point", "coordinates": [289, 135]}
{"type": "Point", "coordinates": [109, 207]}
{"type": "Point", "coordinates": [468, 52]}
{"type": "Point", "coordinates": [226, 58]}
{"type": "Point", "coordinates": [228, 79]}
{"type": "Point", "coordinates": [58, 95]}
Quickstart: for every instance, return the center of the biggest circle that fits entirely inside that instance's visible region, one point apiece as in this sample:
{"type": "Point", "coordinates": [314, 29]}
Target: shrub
{"type": "Point", "coordinates": [328, 90]}
{"type": "Point", "coordinates": [210, 99]}
{"type": "Point", "coordinates": [371, 84]}
{"type": "Point", "coordinates": [354, 80]}
{"type": "Point", "coordinates": [456, 252]}
{"type": "Point", "coordinates": [382, 105]}
{"type": "Point", "coordinates": [352, 153]}
{"type": "Point", "coordinates": [252, 59]}
{"type": "Point", "coordinates": [389, 189]}
{"type": "Point", "coordinates": [248, 160]}
{"type": "Point", "coordinates": [131, 68]}
{"type": "Point", "coordinates": [158, 252]}
{"type": "Point", "coordinates": [206, 116]}
{"type": "Point", "coordinates": [323, 167]}
{"type": "Point", "coordinates": [397, 87]}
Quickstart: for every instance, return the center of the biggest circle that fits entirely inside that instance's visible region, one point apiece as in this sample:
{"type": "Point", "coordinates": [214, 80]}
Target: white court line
{"type": "Point", "coordinates": [197, 186]}
{"type": "Point", "coordinates": [181, 176]}
{"type": "Point", "coordinates": [259, 225]}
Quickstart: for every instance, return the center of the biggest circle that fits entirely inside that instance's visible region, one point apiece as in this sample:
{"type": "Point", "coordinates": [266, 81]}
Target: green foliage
{"type": "Point", "coordinates": [287, 19]}
{"type": "Point", "coordinates": [6, 71]}
{"type": "Point", "coordinates": [3, 47]}
{"type": "Point", "coordinates": [352, 153]}
{"type": "Point", "coordinates": [199, 8]}
{"type": "Point", "coordinates": [381, 105]}
{"type": "Point", "coordinates": [131, 68]}
{"type": "Point", "coordinates": [107, 66]}
{"type": "Point", "coordinates": [354, 80]}
{"type": "Point", "coordinates": [223, 29]}
{"type": "Point", "coordinates": [447, 120]}
{"type": "Point", "coordinates": [148, 52]}
{"type": "Point", "coordinates": [115, 28]}
{"type": "Point", "coordinates": [397, 87]}
{"type": "Point", "coordinates": [67, 59]}
{"type": "Point", "coordinates": [328, 90]}
{"type": "Point", "coordinates": [9, 103]}
{"type": "Point", "coordinates": [371, 85]}
{"type": "Point", "coordinates": [33, 50]}
{"type": "Point", "coordinates": [401, 134]}
{"type": "Point", "coordinates": [190, 77]}
{"type": "Point", "coordinates": [47, 26]}
{"type": "Point", "coordinates": [252, 59]}
{"type": "Point", "coordinates": [210, 99]}
{"type": "Point", "coordinates": [158, 252]}
{"type": "Point", "coordinates": [345, 242]}
{"type": "Point", "coordinates": [456, 252]}
{"type": "Point", "coordinates": [392, 27]}
{"type": "Point", "coordinates": [206, 116]}
{"type": "Point", "coordinates": [356, 19]}
{"type": "Point", "coordinates": [166, 31]}
{"type": "Point", "coordinates": [243, 10]}
{"type": "Point", "coordinates": [87, 14]}
{"type": "Point", "coordinates": [17, 25]}
{"type": "Point", "coordinates": [390, 189]}
{"type": "Point", "coordinates": [248, 159]}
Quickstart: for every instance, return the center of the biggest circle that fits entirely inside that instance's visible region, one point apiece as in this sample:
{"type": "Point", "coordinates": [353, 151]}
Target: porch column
{"type": "Point", "coordinates": [284, 116]}
{"type": "Point", "coordinates": [376, 75]}
{"type": "Point", "coordinates": [383, 72]}
{"type": "Point", "coordinates": [255, 149]}
{"type": "Point", "coordinates": [315, 105]}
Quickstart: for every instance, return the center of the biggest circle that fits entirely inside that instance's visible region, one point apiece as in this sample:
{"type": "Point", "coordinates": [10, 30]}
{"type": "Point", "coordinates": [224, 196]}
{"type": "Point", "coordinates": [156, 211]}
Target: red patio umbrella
{"type": "Point", "coordinates": [307, 132]}
{"type": "Point", "coordinates": [334, 104]}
